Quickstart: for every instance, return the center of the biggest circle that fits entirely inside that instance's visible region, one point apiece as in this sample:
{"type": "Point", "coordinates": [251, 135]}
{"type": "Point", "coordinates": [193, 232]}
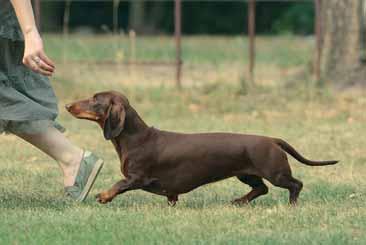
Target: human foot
{"type": "Point", "coordinates": [88, 171]}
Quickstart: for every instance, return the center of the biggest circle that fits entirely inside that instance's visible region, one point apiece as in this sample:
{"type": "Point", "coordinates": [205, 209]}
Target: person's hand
{"type": "Point", "coordinates": [34, 56]}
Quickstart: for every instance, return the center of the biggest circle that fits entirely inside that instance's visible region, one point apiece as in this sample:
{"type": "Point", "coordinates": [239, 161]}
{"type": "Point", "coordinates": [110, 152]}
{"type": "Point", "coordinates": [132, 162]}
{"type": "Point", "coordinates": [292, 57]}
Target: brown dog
{"type": "Point", "coordinates": [169, 164]}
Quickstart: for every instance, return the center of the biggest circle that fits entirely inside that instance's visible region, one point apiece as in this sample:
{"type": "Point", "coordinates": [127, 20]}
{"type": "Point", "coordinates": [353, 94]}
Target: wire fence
{"type": "Point", "coordinates": [177, 62]}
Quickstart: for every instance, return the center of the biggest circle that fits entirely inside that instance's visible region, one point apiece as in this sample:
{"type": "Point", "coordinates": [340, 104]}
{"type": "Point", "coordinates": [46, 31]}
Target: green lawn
{"type": "Point", "coordinates": [319, 122]}
{"type": "Point", "coordinates": [285, 51]}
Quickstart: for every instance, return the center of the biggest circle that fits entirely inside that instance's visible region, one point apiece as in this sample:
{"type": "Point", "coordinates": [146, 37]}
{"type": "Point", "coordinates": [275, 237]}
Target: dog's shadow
{"type": "Point", "coordinates": [316, 193]}
{"type": "Point", "coordinates": [217, 202]}
{"type": "Point", "coordinates": [193, 200]}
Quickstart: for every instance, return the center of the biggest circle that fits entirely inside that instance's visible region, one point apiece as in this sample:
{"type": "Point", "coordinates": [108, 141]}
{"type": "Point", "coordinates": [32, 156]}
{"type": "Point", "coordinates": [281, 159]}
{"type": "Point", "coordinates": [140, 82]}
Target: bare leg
{"type": "Point", "coordinates": [259, 188]}
{"type": "Point", "coordinates": [56, 145]}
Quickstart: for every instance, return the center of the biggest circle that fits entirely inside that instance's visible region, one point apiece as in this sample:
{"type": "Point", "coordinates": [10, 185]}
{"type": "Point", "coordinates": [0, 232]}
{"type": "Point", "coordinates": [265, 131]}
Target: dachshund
{"type": "Point", "coordinates": [170, 163]}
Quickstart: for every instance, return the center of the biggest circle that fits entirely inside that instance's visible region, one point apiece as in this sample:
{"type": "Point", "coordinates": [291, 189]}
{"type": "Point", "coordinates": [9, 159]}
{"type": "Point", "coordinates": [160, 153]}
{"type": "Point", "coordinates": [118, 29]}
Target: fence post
{"type": "Point", "coordinates": [251, 31]}
{"type": "Point", "coordinates": [132, 37]}
{"type": "Point", "coordinates": [177, 27]}
{"type": "Point", "coordinates": [318, 33]}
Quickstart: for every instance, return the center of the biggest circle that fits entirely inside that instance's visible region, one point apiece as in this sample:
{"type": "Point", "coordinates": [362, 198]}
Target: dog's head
{"type": "Point", "coordinates": [108, 109]}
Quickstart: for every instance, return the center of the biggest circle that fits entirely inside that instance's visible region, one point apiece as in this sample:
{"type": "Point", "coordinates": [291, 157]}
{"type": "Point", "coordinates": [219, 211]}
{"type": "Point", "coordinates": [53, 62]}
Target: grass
{"type": "Point", "coordinates": [287, 51]}
{"type": "Point", "coordinates": [319, 122]}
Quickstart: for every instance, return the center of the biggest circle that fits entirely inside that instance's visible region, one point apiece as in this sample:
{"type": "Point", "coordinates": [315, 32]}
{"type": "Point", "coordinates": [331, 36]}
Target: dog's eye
{"type": "Point", "coordinates": [93, 100]}
{"type": "Point", "coordinates": [97, 106]}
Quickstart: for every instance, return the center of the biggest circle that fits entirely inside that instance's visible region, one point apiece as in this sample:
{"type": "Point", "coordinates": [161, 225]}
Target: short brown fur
{"type": "Point", "coordinates": [169, 163]}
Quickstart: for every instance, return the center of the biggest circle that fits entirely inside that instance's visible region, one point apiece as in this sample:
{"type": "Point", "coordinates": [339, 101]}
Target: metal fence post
{"type": "Point", "coordinates": [251, 32]}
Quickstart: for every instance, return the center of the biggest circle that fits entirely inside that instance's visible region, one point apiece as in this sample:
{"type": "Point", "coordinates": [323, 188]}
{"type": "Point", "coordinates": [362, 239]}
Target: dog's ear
{"type": "Point", "coordinates": [114, 121]}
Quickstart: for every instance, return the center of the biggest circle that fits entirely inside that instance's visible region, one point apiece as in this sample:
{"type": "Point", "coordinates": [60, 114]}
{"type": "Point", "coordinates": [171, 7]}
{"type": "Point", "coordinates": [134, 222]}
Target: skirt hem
{"type": "Point", "coordinates": [28, 127]}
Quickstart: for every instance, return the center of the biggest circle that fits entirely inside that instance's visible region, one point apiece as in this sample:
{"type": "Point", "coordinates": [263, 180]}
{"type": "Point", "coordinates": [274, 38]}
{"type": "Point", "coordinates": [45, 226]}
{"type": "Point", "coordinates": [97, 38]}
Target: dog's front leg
{"type": "Point", "coordinates": [131, 183]}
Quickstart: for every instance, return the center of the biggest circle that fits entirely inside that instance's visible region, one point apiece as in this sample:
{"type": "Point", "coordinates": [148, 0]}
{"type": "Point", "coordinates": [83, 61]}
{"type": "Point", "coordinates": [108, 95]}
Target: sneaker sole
{"type": "Point", "coordinates": [91, 179]}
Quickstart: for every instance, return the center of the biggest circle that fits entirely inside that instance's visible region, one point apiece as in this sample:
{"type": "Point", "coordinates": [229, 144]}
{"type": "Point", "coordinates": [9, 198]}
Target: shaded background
{"type": "Point", "coordinates": [283, 101]}
{"type": "Point", "coordinates": [157, 17]}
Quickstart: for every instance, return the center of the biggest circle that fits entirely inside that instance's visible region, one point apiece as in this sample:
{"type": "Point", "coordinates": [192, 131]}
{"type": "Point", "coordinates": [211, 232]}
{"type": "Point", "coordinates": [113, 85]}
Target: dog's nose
{"type": "Point", "coordinates": [68, 106]}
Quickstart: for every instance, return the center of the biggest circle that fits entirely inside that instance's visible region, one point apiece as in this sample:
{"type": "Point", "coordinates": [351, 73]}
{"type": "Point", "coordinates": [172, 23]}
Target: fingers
{"type": "Point", "coordinates": [31, 64]}
{"type": "Point", "coordinates": [45, 67]}
{"type": "Point", "coordinates": [35, 57]}
{"type": "Point", "coordinates": [47, 60]}
{"type": "Point", "coordinates": [39, 65]}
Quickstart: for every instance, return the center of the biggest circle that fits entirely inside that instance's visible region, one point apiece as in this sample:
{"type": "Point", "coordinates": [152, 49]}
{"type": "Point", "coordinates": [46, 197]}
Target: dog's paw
{"type": "Point", "coordinates": [103, 198]}
{"type": "Point", "coordinates": [240, 202]}
{"type": "Point", "coordinates": [172, 200]}
{"type": "Point", "coordinates": [172, 203]}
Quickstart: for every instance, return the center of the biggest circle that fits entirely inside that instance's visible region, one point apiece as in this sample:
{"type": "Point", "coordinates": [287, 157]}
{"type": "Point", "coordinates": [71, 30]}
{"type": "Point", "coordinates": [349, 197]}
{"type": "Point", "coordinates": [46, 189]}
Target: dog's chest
{"type": "Point", "coordinates": [124, 164]}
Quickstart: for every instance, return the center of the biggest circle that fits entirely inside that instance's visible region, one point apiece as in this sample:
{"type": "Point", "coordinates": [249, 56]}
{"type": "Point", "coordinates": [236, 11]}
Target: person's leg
{"type": "Point", "coordinates": [56, 145]}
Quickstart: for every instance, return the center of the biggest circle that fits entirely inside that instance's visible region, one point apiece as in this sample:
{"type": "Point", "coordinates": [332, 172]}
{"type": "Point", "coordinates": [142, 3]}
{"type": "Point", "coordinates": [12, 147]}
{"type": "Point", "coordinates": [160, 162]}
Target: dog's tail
{"type": "Point", "coordinates": [290, 150]}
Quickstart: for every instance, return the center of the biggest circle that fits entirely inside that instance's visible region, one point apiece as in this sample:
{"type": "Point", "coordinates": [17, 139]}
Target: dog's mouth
{"type": "Point", "coordinates": [86, 115]}
{"type": "Point", "coordinates": [79, 113]}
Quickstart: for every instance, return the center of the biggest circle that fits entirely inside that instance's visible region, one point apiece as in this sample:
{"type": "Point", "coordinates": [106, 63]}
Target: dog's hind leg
{"type": "Point", "coordinates": [259, 188]}
{"type": "Point", "coordinates": [278, 172]}
{"type": "Point", "coordinates": [286, 181]}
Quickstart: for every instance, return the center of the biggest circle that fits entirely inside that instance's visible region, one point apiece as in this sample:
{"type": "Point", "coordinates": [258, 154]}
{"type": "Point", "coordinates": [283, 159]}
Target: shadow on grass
{"type": "Point", "coordinates": [23, 200]}
{"type": "Point", "coordinates": [319, 193]}
{"type": "Point", "coordinates": [17, 200]}
{"type": "Point", "coordinates": [215, 200]}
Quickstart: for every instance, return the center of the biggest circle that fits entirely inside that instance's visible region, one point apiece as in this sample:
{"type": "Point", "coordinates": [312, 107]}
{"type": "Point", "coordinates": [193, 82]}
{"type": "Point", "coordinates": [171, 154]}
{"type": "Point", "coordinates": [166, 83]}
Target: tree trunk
{"type": "Point", "coordinates": [342, 60]}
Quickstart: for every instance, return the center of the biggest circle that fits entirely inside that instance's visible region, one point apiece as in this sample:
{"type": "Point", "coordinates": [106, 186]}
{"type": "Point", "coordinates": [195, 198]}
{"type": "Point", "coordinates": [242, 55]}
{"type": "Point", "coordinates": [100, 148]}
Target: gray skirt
{"type": "Point", "coordinates": [27, 101]}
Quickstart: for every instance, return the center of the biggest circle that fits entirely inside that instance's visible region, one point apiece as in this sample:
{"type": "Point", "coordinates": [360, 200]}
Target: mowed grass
{"type": "Point", "coordinates": [319, 122]}
{"type": "Point", "coordinates": [292, 50]}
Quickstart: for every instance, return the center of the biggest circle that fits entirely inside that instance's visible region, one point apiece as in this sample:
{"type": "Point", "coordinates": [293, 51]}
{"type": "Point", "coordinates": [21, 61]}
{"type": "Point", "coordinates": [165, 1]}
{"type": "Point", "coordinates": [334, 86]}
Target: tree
{"type": "Point", "coordinates": [343, 41]}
